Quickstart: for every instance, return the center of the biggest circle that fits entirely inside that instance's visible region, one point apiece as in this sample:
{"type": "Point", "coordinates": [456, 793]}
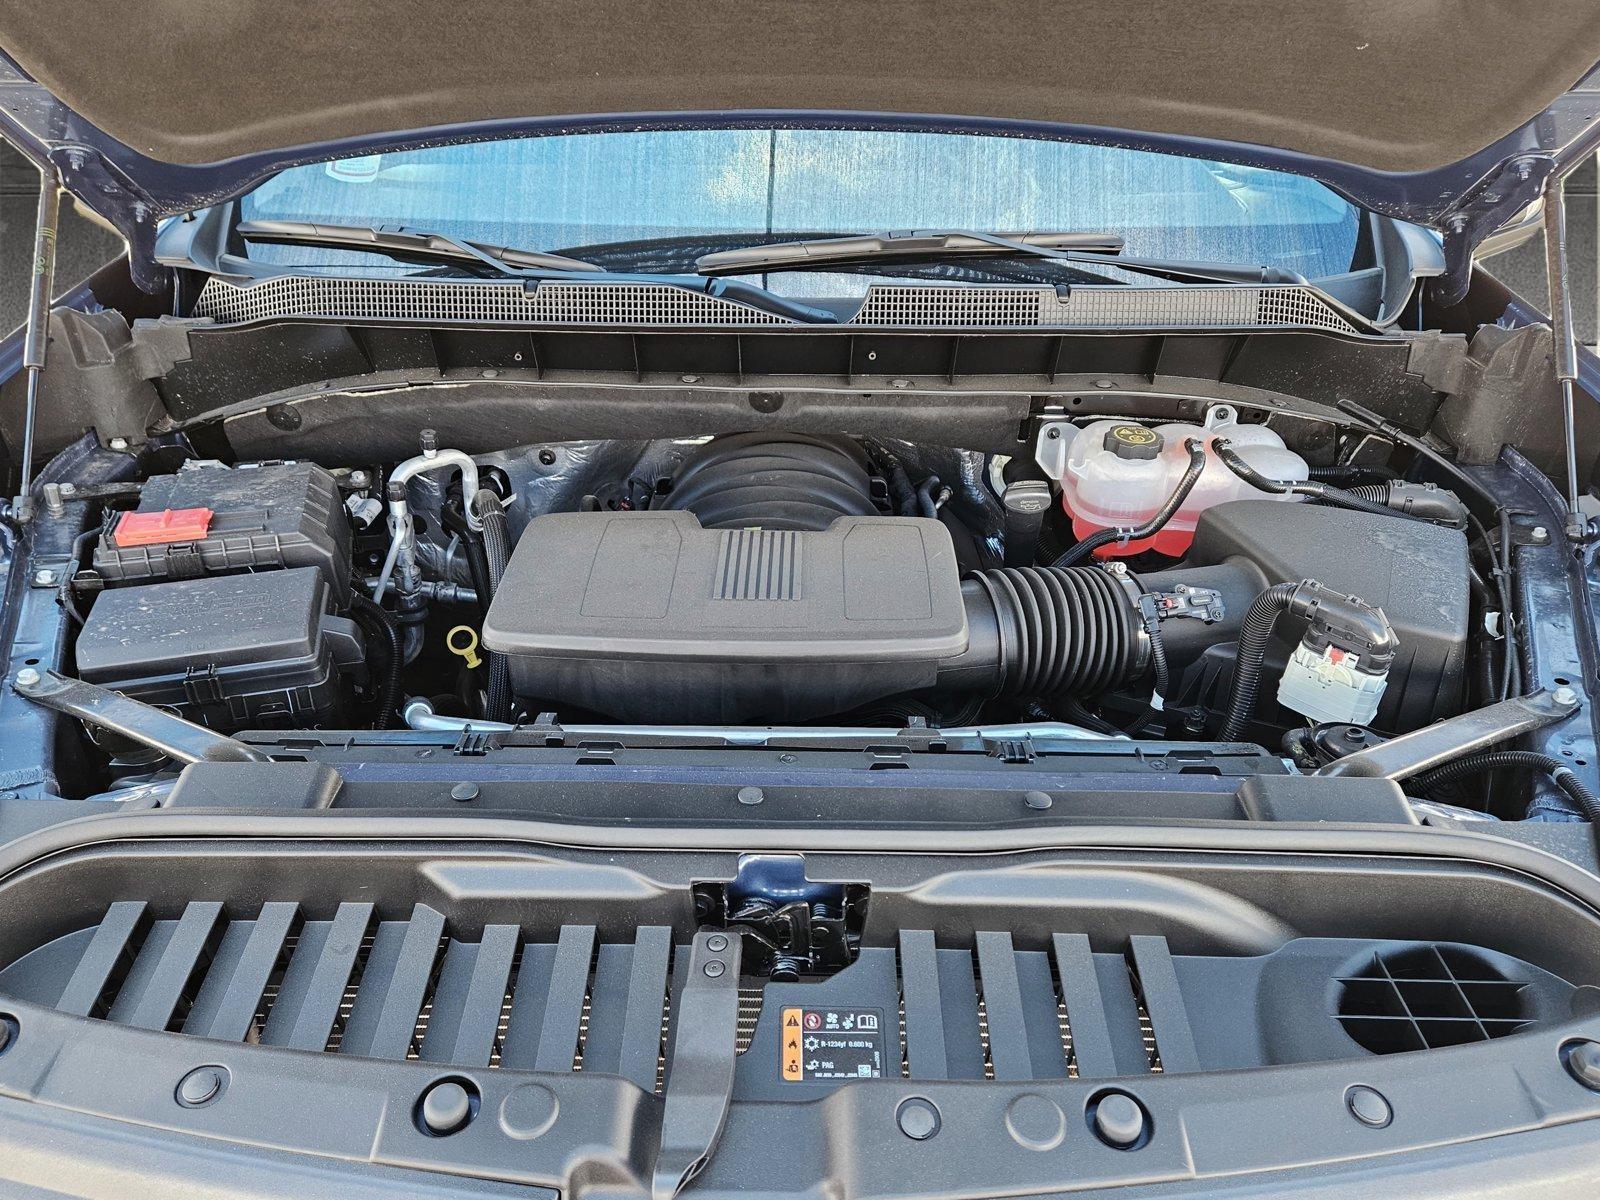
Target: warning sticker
{"type": "Point", "coordinates": [832, 1043]}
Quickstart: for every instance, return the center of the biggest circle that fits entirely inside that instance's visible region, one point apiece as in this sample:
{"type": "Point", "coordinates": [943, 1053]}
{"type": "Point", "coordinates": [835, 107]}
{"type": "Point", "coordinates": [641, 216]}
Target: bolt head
{"type": "Point", "coordinates": [119, 444]}
{"type": "Point", "coordinates": [900, 383]}
{"type": "Point", "coordinates": [358, 479]}
{"type": "Point", "coordinates": [69, 489]}
{"type": "Point", "coordinates": [1564, 695]}
{"type": "Point", "coordinates": [27, 677]}
{"type": "Point", "coordinates": [1539, 534]}
{"type": "Point", "coordinates": [717, 943]}
{"type": "Point", "coordinates": [715, 969]}
{"type": "Point", "coordinates": [45, 578]}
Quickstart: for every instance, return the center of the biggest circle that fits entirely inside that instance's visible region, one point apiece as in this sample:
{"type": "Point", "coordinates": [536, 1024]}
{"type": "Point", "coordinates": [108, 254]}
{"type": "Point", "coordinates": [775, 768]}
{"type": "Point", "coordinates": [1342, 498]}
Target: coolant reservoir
{"type": "Point", "coordinates": [1118, 474]}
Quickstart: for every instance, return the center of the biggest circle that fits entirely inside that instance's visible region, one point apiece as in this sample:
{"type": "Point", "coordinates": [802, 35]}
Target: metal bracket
{"type": "Point", "coordinates": [1492, 203]}
{"type": "Point", "coordinates": [1423, 749]}
{"type": "Point", "coordinates": [133, 719]}
{"type": "Point", "coordinates": [700, 1072]}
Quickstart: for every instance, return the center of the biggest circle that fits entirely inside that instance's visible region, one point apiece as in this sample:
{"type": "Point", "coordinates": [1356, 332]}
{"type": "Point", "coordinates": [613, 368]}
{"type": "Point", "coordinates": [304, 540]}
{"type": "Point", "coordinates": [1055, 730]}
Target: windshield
{"type": "Point", "coordinates": [746, 186]}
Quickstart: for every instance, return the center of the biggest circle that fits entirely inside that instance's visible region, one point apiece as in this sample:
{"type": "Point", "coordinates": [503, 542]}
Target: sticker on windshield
{"type": "Point", "coordinates": [832, 1043]}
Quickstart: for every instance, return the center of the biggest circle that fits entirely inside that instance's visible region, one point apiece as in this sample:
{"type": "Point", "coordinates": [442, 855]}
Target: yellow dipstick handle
{"type": "Point", "coordinates": [463, 640]}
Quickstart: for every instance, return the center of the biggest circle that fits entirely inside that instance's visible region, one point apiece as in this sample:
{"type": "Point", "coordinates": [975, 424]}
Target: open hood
{"type": "Point", "coordinates": [1447, 114]}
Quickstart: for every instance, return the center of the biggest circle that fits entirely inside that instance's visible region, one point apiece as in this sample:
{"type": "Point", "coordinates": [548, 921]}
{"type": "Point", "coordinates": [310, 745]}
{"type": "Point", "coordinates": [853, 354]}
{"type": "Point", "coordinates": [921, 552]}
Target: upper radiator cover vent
{"type": "Point", "coordinates": [1427, 997]}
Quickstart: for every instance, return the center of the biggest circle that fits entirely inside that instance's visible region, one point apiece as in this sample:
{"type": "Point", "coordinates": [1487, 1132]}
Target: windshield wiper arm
{"type": "Point", "coordinates": [531, 265]}
{"type": "Point", "coordinates": [815, 253]}
{"type": "Point", "coordinates": [1089, 249]}
{"type": "Point", "coordinates": [409, 243]}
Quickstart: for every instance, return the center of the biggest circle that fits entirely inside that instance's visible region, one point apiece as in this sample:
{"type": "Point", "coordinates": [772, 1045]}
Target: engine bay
{"type": "Point", "coordinates": [1115, 579]}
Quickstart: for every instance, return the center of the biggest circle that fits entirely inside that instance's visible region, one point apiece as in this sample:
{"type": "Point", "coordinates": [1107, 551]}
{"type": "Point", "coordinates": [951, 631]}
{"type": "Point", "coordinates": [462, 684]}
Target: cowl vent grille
{"type": "Point", "coordinates": [886, 306]}
{"type": "Point", "coordinates": [1428, 997]}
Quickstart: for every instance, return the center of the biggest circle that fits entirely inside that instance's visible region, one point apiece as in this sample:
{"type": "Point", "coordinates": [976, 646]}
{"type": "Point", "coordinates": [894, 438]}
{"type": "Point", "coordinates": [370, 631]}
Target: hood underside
{"type": "Point", "coordinates": [1394, 85]}
{"type": "Point", "coordinates": [1409, 107]}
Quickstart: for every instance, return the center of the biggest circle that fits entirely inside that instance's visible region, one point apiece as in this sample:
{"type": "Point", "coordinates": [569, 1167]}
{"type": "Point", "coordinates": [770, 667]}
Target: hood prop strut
{"type": "Point", "coordinates": [1566, 341]}
{"type": "Point", "coordinates": [36, 339]}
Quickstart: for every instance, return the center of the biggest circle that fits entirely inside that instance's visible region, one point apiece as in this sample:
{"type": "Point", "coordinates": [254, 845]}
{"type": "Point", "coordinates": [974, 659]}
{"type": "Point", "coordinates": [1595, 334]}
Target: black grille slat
{"type": "Point", "coordinates": [105, 960]}
{"type": "Point", "coordinates": [1002, 997]}
{"type": "Point", "coordinates": [394, 986]}
{"type": "Point", "coordinates": [608, 1005]}
{"type": "Point", "coordinates": [168, 968]}
{"type": "Point", "coordinates": [924, 1009]}
{"type": "Point", "coordinates": [313, 986]}
{"type": "Point", "coordinates": [227, 1001]}
{"type": "Point", "coordinates": [630, 987]}
{"type": "Point", "coordinates": [647, 991]}
{"type": "Point", "coordinates": [1163, 1001]}
{"type": "Point", "coordinates": [466, 1001]}
{"type": "Point", "coordinates": [547, 1007]}
{"type": "Point", "coordinates": [1092, 1047]}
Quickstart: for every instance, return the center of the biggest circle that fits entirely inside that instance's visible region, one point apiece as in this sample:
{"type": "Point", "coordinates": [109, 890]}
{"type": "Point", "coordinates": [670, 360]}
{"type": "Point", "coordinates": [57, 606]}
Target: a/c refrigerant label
{"type": "Point", "coordinates": [832, 1043]}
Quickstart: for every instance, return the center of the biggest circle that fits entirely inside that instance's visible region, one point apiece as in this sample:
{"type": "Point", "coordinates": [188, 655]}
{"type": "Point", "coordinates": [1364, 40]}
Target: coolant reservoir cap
{"type": "Point", "coordinates": [1133, 441]}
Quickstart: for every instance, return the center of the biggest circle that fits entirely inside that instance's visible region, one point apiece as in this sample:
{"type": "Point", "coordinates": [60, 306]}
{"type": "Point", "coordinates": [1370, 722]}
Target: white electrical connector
{"type": "Point", "coordinates": [1329, 685]}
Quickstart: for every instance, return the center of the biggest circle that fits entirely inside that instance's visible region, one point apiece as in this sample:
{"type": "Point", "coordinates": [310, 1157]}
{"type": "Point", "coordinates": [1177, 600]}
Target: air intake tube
{"type": "Point", "coordinates": [1045, 631]}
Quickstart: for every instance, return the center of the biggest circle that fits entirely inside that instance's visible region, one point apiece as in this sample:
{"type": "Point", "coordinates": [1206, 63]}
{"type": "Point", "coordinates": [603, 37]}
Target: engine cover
{"type": "Point", "coordinates": [650, 617]}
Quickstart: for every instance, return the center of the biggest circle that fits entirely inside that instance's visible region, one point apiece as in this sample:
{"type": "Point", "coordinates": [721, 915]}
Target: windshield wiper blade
{"type": "Point", "coordinates": [530, 265]}
{"type": "Point", "coordinates": [1089, 249]}
{"type": "Point", "coordinates": [816, 253]}
{"type": "Point", "coordinates": [409, 243]}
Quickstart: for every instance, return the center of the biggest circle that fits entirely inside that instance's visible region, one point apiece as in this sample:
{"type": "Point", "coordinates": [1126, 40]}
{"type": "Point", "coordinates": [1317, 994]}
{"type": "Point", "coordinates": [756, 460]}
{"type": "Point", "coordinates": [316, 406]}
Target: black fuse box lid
{"type": "Point", "coordinates": [232, 648]}
{"type": "Point", "coordinates": [268, 515]}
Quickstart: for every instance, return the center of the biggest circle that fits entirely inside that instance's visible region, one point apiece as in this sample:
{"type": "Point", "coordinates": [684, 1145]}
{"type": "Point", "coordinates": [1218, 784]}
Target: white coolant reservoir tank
{"type": "Point", "coordinates": [1117, 474]}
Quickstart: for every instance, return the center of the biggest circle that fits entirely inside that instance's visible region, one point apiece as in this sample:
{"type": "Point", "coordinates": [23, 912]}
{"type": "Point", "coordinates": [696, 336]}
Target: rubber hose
{"type": "Point", "coordinates": [1353, 499]}
{"type": "Point", "coordinates": [1158, 522]}
{"type": "Point", "coordinates": [1230, 459]}
{"type": "Point", "coordinates": [1254, 634]}
{"type": "Point", "coordinates": [1560, 772]}
{"type": "Point", "coordinates": [377, 619]}
{"type": "Point", "coordinates": [1370, 499]}
{"type": "Point", "coordinates": [1059, 630]}
{"type": "Point", "coordinates": [491, 515]}
{"type": "Point", "coordinates": [1375, 493]}
{"type": "Point", "coordinates": [903, 493]}
{"type": "Point", "coordinates": [478, 568]}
